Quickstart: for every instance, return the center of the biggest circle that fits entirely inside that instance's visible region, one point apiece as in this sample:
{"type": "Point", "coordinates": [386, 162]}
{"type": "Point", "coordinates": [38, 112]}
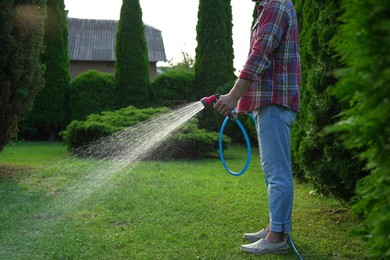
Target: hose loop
{"type": "Point", "coordinates": [247, 141]}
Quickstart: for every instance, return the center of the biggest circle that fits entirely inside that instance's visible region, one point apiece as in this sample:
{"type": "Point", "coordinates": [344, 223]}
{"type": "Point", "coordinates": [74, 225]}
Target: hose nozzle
{"type": "Point", "coordinates": [208, 101]}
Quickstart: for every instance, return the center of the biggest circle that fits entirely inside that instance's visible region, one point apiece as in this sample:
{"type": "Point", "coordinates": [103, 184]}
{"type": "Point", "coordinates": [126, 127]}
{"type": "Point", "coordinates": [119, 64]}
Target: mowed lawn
{"type": "Point", "coordinates": [52, 207]}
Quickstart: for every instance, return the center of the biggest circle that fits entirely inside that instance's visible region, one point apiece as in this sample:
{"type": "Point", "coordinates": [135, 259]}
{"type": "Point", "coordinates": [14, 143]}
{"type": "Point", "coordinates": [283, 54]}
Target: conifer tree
{"type": "Point", "coordinates": [321, 158]}
{"type": "Point", "coordinates": [131, 58]}
{"type": "Point", "coordinates": [364, 45]}
{"type": "Point", "coordinates": [48, 115]}
{"type": "Point", "coordinates": [214, 52]}
{"type": "Point", "coordinates": [21, 45]}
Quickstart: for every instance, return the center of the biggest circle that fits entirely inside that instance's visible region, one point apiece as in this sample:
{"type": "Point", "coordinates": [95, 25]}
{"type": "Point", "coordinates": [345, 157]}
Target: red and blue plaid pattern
{"type": "Point", "coordinates": [273, 63]}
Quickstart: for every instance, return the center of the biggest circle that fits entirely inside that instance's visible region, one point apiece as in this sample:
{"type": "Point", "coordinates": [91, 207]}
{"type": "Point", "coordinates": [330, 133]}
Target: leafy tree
{"type": "Point", "coordinates": [131, 58]}
{"type": "Point", "coordinates": [48, 114]}
{"type": "Point", "coordinates": [187, 63]}
{"type": "Point", "coordinates": [214, 52]}
{"type": "Point", "coordinates": [364, 45]}
{"type": "Point", "coordinates": [21, 45]}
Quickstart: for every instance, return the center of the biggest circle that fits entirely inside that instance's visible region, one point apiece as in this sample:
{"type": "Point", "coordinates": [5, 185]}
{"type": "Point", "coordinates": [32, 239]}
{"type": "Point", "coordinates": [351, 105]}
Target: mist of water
{"type": "Point", "coordinates": [108, 156]}
{"type": "Point", "coordinates": [94, 171]}
{"type": "Point", "coordinates": [100, 164]}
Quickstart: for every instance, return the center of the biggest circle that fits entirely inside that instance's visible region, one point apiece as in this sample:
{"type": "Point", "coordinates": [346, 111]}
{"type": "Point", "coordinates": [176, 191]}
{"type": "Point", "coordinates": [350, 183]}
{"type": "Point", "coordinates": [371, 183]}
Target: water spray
{"type": "Point", "coordinates": [208, 101]}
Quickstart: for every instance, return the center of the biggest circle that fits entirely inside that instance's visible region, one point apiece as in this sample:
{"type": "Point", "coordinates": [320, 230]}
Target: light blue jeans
{"type": "Point", "coordinates": [273, 132]}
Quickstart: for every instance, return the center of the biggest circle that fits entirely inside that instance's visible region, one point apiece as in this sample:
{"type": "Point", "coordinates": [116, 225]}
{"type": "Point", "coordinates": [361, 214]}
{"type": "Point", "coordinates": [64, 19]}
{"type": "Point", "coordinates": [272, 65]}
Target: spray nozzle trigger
{"type": "Point", "coordinates": [208, 101]}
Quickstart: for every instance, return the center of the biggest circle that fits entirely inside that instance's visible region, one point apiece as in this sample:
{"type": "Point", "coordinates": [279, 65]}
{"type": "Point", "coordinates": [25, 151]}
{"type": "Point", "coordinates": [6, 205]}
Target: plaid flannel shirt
{"type": "Point", "coordinates": [273, 63]}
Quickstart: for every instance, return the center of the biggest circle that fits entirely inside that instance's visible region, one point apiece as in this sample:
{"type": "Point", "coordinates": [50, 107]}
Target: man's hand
{"type": "Point", "coordinates": [226, 103]}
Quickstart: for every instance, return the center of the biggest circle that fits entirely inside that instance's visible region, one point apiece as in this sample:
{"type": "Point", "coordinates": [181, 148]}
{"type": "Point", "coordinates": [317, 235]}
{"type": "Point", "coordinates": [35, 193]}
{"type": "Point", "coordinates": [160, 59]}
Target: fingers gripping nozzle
{"type": "Point", "coordinates": [208, 101]}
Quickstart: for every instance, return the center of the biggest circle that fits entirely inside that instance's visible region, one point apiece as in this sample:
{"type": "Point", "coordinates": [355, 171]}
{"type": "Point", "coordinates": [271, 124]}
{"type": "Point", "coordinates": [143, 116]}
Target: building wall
{"type": "Point", "coordinates": [77, 67]}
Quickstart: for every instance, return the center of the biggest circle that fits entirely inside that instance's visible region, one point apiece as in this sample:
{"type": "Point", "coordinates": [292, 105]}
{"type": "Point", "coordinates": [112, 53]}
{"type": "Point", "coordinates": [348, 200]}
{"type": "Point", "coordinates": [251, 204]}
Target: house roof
{"type": "Point", "coordinates": [94, 40]}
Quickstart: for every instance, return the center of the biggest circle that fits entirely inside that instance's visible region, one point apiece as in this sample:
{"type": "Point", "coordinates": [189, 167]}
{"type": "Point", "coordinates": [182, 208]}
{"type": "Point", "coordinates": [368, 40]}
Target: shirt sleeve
{"type": "Point", "coordinates": [268, 34]}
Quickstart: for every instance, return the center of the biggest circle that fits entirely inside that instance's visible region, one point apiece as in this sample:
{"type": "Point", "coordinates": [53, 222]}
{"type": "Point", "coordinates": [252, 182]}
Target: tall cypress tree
{"type": "Point", "coordinates": [131, 58]}
{"type": "Point", "coordinates": [21, 45]}
{"type": "Point", "coordinates": [364, 45]}
{"type": "Point", "coordinates": [214, 52]}
{"type": "Point", "coordinates": [48, 115]}
{"type": "Point", "coordinates": [320, 157]}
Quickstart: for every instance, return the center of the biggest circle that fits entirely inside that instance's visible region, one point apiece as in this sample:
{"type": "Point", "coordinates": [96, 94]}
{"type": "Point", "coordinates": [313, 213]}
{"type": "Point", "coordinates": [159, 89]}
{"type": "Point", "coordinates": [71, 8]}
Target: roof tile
{"type": "Point", "coordinates": [94, 40]}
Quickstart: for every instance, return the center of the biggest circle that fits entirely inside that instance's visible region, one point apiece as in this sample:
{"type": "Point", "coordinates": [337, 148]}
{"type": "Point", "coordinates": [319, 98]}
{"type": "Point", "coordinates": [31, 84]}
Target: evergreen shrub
{"type": "Point", "coordinates": [176, 86]}
{"type": "Point", "coordinates": [21, 71]}
{"type": "Point", "coordinates": [189, 142]}
{"type": "Point", "coordinates": [81, 132]}
{"type": "Point", "coordinates": [363, 43]}
{"type": "Point", "coordinates": [49, 115]}
{"type": "Point", "coordinates": [319, 156]}
{"type": "Point", "coordinates": [91, 92]}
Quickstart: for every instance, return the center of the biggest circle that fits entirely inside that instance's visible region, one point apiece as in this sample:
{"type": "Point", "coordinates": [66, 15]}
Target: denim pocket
{"type": "Point", "coordinates": [289, 117]}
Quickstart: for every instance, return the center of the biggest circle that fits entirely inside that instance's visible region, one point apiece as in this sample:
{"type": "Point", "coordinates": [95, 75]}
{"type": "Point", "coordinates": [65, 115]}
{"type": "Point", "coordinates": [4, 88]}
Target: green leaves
{"type": "Point", "coordinates": [363, 42]}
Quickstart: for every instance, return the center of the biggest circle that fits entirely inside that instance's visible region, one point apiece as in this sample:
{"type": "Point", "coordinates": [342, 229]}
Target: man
{"type": "Point", "coordinates": [268, 86]}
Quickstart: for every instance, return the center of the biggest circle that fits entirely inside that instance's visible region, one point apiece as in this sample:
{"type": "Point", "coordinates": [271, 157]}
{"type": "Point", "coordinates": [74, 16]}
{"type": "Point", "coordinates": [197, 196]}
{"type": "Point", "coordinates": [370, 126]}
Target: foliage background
{"type": "Point", "coordinates": [320, 157]}
{"type": "Point", "coordinates": [363, 43]}
{"type": "Point", "coordinates": [345, 61]}
{"type": "Point", "coordinates": [21, 71]}
{"type": "Point", "coordinates": [49, 114]}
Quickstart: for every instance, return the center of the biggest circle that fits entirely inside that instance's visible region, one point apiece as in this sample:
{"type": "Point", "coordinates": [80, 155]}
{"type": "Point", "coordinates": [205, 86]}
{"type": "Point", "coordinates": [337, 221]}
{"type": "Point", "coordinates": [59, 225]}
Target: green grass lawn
{"type": "Point", "coordinates": [53, 207]}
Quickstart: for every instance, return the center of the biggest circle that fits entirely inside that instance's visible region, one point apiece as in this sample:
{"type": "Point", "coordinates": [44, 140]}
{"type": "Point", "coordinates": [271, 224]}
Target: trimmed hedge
{"type": "Point", "coordinates": [173, 87]}
{"type": "Point", "coordinates": [91, 92]}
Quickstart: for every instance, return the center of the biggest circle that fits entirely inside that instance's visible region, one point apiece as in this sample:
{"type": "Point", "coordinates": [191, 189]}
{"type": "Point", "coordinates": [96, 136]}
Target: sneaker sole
{"type": "Point", "coordinates": [278, 252]}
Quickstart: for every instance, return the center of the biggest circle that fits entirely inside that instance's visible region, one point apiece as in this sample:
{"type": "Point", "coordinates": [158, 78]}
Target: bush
{"type": "Point", "coordinates": [91, 92]}
{"type": "Point", "coordinates": [174, 87]}
{"type": "Point", "coordinates": [189, 142]}
{"type": "Point", "coordinates": [79, 133]}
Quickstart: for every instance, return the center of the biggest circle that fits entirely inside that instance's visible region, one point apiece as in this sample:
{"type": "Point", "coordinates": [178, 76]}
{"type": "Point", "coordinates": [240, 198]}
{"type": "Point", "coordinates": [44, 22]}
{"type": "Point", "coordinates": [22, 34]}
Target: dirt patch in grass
{"type": "Point", "coordinates": [337, 215]}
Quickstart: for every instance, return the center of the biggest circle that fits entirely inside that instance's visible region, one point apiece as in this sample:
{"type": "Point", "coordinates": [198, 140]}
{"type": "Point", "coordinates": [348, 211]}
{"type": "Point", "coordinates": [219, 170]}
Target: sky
{"type": "Point", "coordinates": [176, 19]}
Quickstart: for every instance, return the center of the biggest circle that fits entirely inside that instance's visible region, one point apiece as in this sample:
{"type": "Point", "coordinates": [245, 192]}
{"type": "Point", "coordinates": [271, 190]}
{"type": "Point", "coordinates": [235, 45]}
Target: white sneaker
{"type": "Point", "coordinates": [253, 237]}
{"type": "Point", "coordinates": [264, 247]}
